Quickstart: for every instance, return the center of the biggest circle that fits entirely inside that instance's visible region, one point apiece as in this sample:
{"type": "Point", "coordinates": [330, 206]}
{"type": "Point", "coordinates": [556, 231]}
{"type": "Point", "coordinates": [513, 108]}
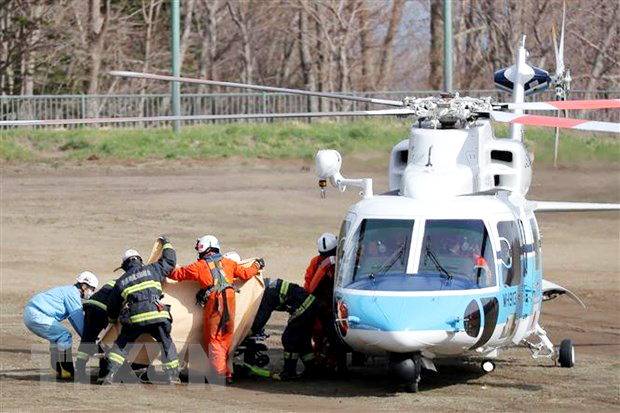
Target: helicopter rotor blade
{"type": "Point", "coordinates": [551, 121]}
{"type": "Point", "coordinates": [168, 78]}
{"type": "Point", "coordinates": [566, 104]}
{"type": "Point", "coordinates": [47, 122]}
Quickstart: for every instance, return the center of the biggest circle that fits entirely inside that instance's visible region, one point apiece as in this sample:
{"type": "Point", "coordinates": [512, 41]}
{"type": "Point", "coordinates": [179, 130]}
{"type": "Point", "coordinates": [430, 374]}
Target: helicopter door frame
{"type": "Point", "coordinates": [525, 289]}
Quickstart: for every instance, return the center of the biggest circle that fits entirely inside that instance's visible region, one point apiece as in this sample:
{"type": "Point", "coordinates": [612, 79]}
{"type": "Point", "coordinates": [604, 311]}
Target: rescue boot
{"type": "Point", "coordinates": [66, 364]}
{"type": "Point", "coordinates": [289, 372]}
{"type": "Point", "coordinates": [311, 370]}
{"type": "Point", "coordinates": [54, 360]}
{"type": "Point", "coordinates": [172, 376]}
{"type": "Point", "coordinates": [80, 371]}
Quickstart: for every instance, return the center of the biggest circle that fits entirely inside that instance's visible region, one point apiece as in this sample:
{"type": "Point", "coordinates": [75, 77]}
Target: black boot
{"type": "Point", "coordinates": [289, 372]}
{"type": "Point", "coordinates": [80, 371]}
{"type": "Point", "coordinates": [66, 364]}
{"type": "Point", "coordinates": [311, 370]}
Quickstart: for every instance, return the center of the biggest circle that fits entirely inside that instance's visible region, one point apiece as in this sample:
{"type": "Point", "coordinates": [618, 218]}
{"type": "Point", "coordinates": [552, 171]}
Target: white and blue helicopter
{"type": "Point", "coordinates": [448, 263]}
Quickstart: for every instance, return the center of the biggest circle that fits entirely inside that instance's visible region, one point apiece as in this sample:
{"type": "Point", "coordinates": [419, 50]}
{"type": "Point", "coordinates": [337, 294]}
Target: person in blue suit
{"type": "Point", "coordinates": [47, 309]}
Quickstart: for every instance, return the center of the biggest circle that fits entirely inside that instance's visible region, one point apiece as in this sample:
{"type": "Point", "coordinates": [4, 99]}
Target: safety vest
{"type": "Point", "coordinates": [218, 287]}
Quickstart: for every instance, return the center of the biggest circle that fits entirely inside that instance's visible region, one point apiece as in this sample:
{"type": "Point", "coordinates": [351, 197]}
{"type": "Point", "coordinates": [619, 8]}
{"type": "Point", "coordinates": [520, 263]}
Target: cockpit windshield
{"type": "Point", "coordinates": [379, 247]}
{"type": "Point", "coordinates": [453, 255]}
{"type": "Point", "coordinates": [457, 253]}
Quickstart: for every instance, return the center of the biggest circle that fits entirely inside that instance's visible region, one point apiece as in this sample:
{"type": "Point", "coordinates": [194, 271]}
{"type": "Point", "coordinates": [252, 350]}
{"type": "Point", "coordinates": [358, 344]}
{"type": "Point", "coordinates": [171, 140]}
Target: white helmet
{"type": "Point", "coordinates": [206, 242]}
{"type": "Point", "coordinates": [326, 242]}
{"type": "Point", "coordinates": [88, 278]}
{"type": "Point", "coordinates": [130, 253]}
{"type": "Point", "coordinates": [232, 255]}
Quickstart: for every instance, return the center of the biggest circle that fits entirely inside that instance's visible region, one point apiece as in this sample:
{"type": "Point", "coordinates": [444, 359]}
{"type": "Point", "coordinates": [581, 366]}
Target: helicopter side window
{"type": "Point", "coordinates": [459, 252]}
{"type": "Point", "coordinates": [510, 231]}
{"type": "Point", "coordinates": [342, 237]}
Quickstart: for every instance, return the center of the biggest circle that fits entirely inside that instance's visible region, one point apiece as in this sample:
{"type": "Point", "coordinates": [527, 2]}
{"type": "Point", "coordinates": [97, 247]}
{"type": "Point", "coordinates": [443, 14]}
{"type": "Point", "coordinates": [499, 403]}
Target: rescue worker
{"type": "Point", "coordinates": [46, 310]}
{"type": "Point", "coordinates": [135, 298]}
{"type": "Point", "coordinates": [304, 308]}
{"type": "Point", "coordinates": [216, 275]}
{"type": "Point", "coordinates": [319, 281]}
{"type": "Point", "coordinates": [95, 321]}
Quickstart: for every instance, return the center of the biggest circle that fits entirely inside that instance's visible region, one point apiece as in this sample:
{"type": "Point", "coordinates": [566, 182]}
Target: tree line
{"type": "Point", "coordinates": [67, 46]}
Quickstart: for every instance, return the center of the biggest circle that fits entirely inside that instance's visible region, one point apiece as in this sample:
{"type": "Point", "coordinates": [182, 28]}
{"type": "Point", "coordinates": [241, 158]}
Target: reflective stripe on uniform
{"type": "Point", "coordinates": [307, 357]}
{"type": "Point", "coordinates": [141, 286]}
{"type": "Point", "coordinates": [283, 291]}
{"type": "Point", "coordinates": [82, 355]}
{"type": "Point", "coordinates": [170, 365]}
{"type": "Point", "coordinates": [166, 245]}
{"type": "Point", "coordinates": [290, 356]}
{"type": "Point", "coordinates": [111, 283]}
{"type": "Point", "coordinates": [116, 358]}
{"type": "Point", "coordinates": [97, 303]}
{"type": "Point", "coordinates": [150, 315]}
{"type": "Point", "coordinates": [304, 306]}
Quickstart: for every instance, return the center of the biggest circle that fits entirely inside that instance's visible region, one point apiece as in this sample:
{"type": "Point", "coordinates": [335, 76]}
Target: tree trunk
{"type": "Point", "coordinates": [387, 58]}
{"type": "Point", "coordinates": [436, 52]}
{"type": "Point", "coordinates": [187, 29]}
{"type": "Point", "coordinates": [367, 63]}
{"type": "Point", "coordinates": [97, 21]}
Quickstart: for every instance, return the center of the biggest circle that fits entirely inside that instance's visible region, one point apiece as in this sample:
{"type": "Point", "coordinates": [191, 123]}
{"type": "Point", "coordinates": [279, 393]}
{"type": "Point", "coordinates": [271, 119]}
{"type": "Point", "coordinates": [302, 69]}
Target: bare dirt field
{"type": "Point", "coordinates": [59, 221]}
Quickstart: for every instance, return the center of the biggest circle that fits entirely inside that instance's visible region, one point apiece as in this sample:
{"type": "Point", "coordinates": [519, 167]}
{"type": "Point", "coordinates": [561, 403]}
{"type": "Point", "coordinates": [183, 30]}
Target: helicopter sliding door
{"type": "Point", "coordinates": [512, 272]}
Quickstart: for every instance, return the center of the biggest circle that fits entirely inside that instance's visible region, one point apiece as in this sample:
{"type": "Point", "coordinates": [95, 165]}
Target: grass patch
{"type": "Point", "coordinates": [295, 140]}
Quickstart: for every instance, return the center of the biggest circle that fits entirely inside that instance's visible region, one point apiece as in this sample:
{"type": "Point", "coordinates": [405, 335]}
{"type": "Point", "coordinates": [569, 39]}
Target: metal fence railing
{"type": "Point", "coordinates": [92, 106]}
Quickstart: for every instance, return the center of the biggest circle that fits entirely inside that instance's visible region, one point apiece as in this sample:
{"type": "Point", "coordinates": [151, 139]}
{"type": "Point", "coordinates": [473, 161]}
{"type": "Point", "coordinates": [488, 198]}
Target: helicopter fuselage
{"type": "Point", "coordinates": [437, 277]}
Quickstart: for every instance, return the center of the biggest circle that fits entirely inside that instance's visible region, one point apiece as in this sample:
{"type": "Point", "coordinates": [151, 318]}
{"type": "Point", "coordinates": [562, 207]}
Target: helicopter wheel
{"type": "Point", "coordinates": [567, 353]}
{"type": "Point", "coordinates": [412, 387]}
{"type": "Point", "coordinates": [487, 366]}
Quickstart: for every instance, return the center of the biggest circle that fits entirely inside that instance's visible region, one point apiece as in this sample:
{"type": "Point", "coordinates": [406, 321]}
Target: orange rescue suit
{"type": "Point", "coordinates": [218, 335]}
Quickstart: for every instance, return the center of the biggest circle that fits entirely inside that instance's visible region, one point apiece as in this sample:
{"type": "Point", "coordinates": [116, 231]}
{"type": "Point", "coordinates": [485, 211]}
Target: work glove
{"type": "Point", "coordinates": [163, 239]}
{"type": "Point", "coordinates": [261, 263]}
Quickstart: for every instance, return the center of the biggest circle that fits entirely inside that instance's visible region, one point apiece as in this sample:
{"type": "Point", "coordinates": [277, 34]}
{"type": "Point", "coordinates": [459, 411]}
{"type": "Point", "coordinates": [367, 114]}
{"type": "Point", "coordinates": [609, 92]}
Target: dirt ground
{"type": "Point", "coordinates": [60, 220]}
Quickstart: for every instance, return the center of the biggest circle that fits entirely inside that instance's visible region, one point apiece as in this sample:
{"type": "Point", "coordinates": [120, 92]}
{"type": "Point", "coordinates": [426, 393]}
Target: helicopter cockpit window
{"type": "Point", "coordinates": [379, 247]}
{"type": "Point", "coordinates": [456, 255]}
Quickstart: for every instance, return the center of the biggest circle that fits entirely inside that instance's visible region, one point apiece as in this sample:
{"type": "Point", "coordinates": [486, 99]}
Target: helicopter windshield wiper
{"type": "Point", "coordinates": [435, 262]}
{"type": "Point", "coordinates": [389, 262]}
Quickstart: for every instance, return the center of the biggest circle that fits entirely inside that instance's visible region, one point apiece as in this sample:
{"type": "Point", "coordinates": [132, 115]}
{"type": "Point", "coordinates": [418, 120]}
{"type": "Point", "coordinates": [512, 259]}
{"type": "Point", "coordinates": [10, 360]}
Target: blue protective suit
{"type": "Point", "coordinates": [46, 310]}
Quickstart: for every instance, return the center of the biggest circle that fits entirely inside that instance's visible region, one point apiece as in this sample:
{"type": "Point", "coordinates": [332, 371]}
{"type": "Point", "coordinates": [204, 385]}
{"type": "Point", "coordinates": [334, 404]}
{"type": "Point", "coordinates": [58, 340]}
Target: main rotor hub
{"type": "Point", "coordinates": [448, 110]}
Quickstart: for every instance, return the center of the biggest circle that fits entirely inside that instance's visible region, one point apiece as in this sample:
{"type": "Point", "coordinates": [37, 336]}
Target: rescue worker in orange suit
{"type": "Point", "coordinates": [135, 298]}
{"type": "Point", "coordinates": [216, 275]}
{"type": "Point", "coordinates": [304, 308]}
{"type": "Point", "coordinates": [319, 281]}
{"type": "Point", "coordinates": [95, 321]}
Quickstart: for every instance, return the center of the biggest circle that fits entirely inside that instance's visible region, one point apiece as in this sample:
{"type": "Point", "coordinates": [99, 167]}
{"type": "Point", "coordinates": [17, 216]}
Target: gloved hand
{"type": "Point", "coordinates": [163, 239]}
{"type": "Point", "coordinates": [261, 263]}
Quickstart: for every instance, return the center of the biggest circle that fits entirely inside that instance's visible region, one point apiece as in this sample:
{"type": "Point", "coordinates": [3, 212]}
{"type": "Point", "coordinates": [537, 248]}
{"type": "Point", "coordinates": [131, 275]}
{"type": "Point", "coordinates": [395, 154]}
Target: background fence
{"type": "Point", "coordinates": [92, 106]}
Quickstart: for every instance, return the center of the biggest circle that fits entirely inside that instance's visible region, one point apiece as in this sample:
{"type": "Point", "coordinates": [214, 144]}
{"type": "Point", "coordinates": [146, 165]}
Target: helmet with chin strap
{"type": "Point", "coordinates": [207, 243]}
{"type": "Point", "coordinates": [326, 242]}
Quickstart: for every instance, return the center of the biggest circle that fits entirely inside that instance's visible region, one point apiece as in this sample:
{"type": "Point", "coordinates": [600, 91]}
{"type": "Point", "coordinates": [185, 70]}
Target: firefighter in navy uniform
{"type": "Point", "coordinates": [281, 295]}
{"type": "Point", "coordinates": [95, 321]}
{"type": "Point", "coordinates": [136, 299]}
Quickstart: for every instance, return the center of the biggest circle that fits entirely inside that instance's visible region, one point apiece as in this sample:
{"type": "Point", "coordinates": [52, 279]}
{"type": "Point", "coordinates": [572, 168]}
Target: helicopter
{"type": "Point", "coordinates": [448, 262]}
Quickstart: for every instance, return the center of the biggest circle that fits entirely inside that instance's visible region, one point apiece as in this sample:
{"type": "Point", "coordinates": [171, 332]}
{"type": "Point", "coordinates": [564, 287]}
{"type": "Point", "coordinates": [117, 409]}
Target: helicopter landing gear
{"type": "Point", "coordinates": [487, 366]}
{"type": "Point", "coordinates": [566, 357]}
{"type": "Point", "coordinates": [406, 368]}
